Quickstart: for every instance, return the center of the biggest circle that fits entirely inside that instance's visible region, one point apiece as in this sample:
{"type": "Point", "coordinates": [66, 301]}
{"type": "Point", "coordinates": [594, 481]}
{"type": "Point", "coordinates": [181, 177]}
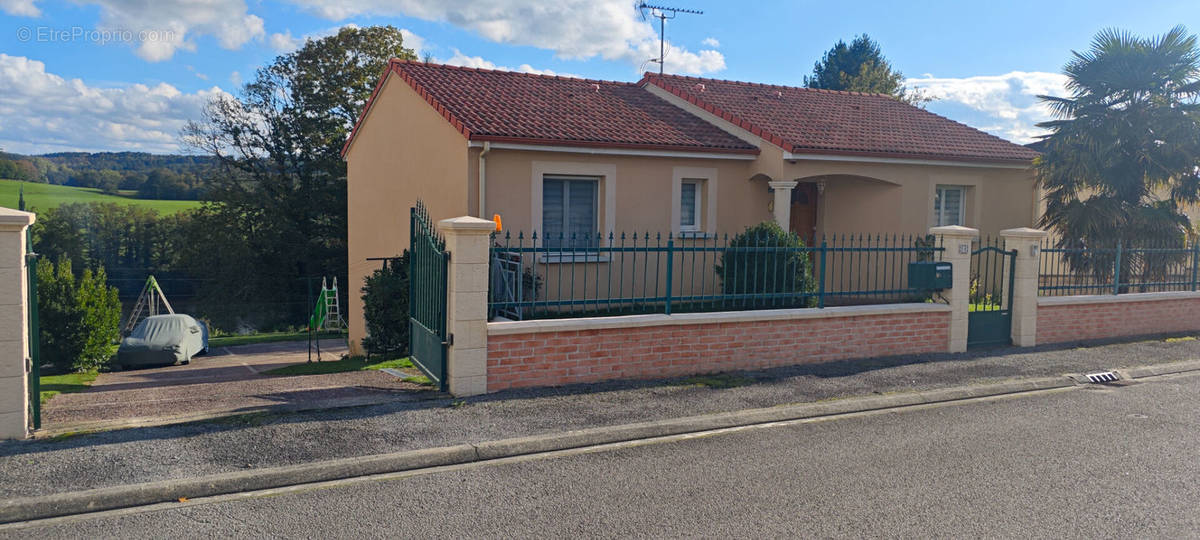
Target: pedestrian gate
{"type": "Point", "coordinates": [989, 318]}
{"type": "Point", "coordinates": [428, 260]}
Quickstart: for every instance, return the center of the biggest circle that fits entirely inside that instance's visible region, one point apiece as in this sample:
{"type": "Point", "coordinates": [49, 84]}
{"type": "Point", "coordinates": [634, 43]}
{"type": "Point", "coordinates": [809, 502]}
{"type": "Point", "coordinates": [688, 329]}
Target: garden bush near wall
{"type": "Point", "coordinates": [385, 307]}
{"type": "Point", "coordinates": [79, 318]}
{"type": "Point", "coordinates": [766, 265]}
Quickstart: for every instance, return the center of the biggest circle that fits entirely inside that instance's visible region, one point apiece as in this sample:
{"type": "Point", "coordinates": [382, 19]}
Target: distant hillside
{"type": "Point", "coordinates": [129, 161]}
{"type": "Point", "coordinates": [43, 196]}
{"type": "Point", "coordinates": [151, 176]}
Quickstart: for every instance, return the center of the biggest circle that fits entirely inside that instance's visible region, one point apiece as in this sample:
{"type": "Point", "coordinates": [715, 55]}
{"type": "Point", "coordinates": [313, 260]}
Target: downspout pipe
{"type": "Point", "coordinates": [487, 147]}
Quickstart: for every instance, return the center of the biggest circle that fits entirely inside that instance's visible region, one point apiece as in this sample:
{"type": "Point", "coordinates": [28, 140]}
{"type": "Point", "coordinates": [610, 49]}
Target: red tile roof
{"type": "Point", "coordinates": [804, 120]}
{"type": "Point", "coordinates": [505, 106]}
{"type": "Point", "coordinates": [489, 105]}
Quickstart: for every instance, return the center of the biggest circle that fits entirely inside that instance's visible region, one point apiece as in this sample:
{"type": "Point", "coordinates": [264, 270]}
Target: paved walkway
{"type": "Point", "coordinates": [265, 440]}
{"type": "Point", "coordinates": [228, 380]}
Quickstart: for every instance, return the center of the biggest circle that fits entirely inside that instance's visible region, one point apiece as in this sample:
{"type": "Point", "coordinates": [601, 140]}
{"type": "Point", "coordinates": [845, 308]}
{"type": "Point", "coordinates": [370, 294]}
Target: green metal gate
{"type": "Point", "coordinates": [427, 261]}
{"type": "Point", "coordinates": [35, 360]}
{"type": "Point", "coordinates": [989, 318]}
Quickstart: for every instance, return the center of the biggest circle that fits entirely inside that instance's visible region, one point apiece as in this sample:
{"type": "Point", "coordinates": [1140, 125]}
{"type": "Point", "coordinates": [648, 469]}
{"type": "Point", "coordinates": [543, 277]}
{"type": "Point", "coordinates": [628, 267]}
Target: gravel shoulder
{"type": "Point", "coordinates": [265, 440]}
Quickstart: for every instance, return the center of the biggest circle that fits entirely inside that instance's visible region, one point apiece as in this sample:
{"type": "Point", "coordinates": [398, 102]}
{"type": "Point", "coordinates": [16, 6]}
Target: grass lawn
{"type": "Point", "coordinates": [354, 363]}
{"type": "Point", "coordinates": [53, 385]}
{"type": "Point", "coordinates": [43, 196]}
{"type": "Point", "coordinates": [266, 337]}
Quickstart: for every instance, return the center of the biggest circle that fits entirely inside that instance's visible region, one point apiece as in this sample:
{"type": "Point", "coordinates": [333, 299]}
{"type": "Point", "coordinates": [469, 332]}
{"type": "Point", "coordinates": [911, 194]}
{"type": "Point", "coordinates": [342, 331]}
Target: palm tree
{"type": "Point", "coordinates": [1123, 152]}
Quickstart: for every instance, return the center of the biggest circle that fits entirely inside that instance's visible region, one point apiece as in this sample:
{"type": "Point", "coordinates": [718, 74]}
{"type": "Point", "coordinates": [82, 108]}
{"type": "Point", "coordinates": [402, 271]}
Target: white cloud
{"type": "Point", "coordinates": [158, 28]}
{"type": "Point", "coordinates": [198, 75]}
{"type": "Point", "coordinates": [478, 62]}
{"type": "Point", "coordinates": [235, 78]}
{"type": "Point", "coordinates": [711, 42]}
{"type": "Point", "coordinates": [22, 8]}
{"type": "Point", "coordinates": [573, 29]}
{"type": "Point", "coordinates": [285, 43]}
{"type": "Point", "coordinates": [413, 41]}
{"type": "Point", "coordinates": [44, 112]}
{"type": "Point", "coordinates": [1007, 104]}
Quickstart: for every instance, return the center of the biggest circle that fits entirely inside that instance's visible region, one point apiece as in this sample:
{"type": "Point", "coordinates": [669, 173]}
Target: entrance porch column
{"type": "Point", "coordinates": [783, 202]}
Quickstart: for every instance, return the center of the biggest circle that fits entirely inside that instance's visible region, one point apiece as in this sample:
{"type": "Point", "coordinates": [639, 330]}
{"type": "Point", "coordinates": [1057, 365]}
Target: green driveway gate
{"type": "Point", "coordinates": [428, 260]}
{"type": "Point", "coordinates": [989, 320]}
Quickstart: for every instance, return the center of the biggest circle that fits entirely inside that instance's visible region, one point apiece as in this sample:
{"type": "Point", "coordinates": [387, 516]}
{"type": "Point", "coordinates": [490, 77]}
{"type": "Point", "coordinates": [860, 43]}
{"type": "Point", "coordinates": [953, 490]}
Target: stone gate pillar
{"type": "Point", "coordinates": [1027, 243]}
{"type": "Point", "coordinates": [957, 243]}
{"type": "Point", "coordinates": [468, 241]}
{"type": "Point", "coordinates": [14, 325]}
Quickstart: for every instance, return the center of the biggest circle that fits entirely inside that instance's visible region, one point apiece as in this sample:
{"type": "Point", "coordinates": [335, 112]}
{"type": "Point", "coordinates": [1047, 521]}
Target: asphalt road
{"type": "Point", "coordinates": [146, 454]}
{"type": "Point", "coordinates": [1094, 462]}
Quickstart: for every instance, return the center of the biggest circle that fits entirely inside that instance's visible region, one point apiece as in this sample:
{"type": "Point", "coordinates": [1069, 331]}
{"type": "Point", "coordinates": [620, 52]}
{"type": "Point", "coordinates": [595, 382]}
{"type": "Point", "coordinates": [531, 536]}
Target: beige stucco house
{"type": "Point", "coordinates": [668, 153]}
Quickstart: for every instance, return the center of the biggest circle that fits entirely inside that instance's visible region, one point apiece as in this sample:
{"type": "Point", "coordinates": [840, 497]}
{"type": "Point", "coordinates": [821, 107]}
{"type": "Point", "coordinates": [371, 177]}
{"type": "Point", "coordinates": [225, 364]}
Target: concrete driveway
{"type": "Point", "coordinates": [228, 380]}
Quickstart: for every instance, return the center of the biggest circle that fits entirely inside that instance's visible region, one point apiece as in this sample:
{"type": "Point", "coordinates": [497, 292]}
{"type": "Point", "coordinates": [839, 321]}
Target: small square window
{"type": "Point", "coordinates": [948, 206]}
{"type": "Point", "coordinates": [569, 212]}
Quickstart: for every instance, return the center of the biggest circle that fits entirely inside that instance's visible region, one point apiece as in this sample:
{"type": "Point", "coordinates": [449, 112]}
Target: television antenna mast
{"type": "Point", "coordinates": [662, 13]}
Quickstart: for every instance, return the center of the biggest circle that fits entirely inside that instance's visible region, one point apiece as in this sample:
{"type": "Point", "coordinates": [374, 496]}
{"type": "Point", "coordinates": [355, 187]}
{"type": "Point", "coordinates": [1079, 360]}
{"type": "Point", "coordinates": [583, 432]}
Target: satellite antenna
{"type": "Point", "coordinates": [662, 13]}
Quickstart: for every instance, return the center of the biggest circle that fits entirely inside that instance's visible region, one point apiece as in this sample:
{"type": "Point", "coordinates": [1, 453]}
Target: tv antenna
{"type": "Point", "coordinates": [662, 13]}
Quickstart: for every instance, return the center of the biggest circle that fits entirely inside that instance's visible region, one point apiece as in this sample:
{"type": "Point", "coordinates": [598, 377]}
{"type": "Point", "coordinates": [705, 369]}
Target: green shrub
{"type": "Point", "coordinates": [79, 319]}
{"type": "Point", "coordinates": [385, 307]}
{"type": "Point", "coordinates": [767, 271]}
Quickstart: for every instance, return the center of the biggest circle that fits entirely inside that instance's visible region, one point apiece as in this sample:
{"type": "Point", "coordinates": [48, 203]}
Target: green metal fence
{"type": "Point", "coordinates": [621, 274]}
{"type": "Point", "coordinates": [427, 303]}
{"type": "Point", "coordinates": [1068, 269]}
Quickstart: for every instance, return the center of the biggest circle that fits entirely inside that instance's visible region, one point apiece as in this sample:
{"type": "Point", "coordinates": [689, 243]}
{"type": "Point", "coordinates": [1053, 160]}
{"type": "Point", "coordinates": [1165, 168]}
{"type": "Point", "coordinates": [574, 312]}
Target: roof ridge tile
{"type": "Point", "coordinates": [403, 61]}
{"type": "Point", "coordinates": [649, 74]}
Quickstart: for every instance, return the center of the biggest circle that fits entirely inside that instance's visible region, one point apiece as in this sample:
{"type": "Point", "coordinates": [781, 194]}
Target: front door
{"type": "Point", "coordinates": [804, 211]}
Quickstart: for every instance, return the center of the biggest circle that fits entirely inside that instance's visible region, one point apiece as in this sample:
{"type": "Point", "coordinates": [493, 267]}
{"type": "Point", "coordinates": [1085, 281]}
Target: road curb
{"type": "Point", "coordinates": [1141, 372]}
{"type": "Point", "coordinates": [111, 498]}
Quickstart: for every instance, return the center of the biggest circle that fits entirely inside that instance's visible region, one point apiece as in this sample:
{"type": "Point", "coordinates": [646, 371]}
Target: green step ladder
{"type": "Point", "coordinates": [326, 316]}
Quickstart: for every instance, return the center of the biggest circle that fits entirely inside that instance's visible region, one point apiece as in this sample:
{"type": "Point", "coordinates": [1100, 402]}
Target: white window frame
{"type": "Point", "coordinates": [567, 181]}
{"type": "Point", "coordinates": [939, 195]}
{"type": "Point", "coordinates": [706, 211]}
{"type": "Point", "coordinates": [697, 195]}
{"type": "Point", "coordinates": [606, 172]}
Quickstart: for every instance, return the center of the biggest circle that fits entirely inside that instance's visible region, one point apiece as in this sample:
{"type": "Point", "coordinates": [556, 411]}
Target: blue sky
{"type": "Point", "coordinates": [126, 74]}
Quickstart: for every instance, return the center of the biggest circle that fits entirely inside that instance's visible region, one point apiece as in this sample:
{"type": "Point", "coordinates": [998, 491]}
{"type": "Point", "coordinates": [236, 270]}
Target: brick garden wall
{"type": "Point", "coordinates": [669, 350]}
{"type": "Point", "coordinates": [1068, 319]}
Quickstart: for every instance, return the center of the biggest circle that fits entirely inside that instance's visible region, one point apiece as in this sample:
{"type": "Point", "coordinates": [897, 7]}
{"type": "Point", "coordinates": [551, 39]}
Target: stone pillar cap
{"type": "Point", "coordinates": [10, 218]}
{"type": "Point", "coordinates": [467, 224]}
{"type": "Point", "coordinates": [1024, 232]}
{"type": "Point", "coordinates": [954, 230]}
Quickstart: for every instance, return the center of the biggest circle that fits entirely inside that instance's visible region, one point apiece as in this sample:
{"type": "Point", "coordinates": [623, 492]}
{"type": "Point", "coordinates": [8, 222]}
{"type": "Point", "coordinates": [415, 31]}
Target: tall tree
{"type": "Point", "coordinates": [1122, 154]}
{"type": "Point", "coordinates": [861, 67]}
{"type": "Point", "coordinates": [282, 194]}
{"type": "Point", "coordinates": [1124, 147]}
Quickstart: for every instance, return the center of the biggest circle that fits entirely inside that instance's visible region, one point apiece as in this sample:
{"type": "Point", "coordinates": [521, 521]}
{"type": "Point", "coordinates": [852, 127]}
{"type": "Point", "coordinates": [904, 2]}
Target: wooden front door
{"type": "Point", "coordinates": [804, 211]}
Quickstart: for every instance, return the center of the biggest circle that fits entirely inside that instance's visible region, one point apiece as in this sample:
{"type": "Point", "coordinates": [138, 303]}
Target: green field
{"type": "Point", "coordinates": [44, 196]}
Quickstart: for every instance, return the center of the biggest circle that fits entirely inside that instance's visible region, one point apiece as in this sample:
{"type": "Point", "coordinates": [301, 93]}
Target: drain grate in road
{"type": "Point", "coordinates": [1103, 377]}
